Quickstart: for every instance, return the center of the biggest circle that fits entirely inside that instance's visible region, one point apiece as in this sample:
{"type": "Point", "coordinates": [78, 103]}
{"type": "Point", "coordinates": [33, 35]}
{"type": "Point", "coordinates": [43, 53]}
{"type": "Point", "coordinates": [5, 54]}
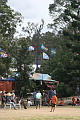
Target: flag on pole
{"type": "Point", "coordinates": [53, 51]}
{"type": "Point", "coordinates": [44, 48]}
{"type": "Point", "coordinates": [45, 56]}
{"type": "Point", "coordinates": [30, 48]}
{"type": "Point", "coordinates": [3, 53]}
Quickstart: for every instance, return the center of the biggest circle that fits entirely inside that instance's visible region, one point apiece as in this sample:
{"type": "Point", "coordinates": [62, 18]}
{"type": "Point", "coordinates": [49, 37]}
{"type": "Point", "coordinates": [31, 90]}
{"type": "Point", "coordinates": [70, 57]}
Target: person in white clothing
{"type": "Point", "coordinates": [38, 99]}
{"type": "Point", "coordinates": [29, 103]}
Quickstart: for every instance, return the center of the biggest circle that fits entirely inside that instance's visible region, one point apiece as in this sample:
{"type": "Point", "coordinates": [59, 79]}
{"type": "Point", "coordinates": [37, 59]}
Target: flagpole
{"type": "Point", "coordinates": [36, 61]}
{"type": "Point", "coordinates": [42, 78]}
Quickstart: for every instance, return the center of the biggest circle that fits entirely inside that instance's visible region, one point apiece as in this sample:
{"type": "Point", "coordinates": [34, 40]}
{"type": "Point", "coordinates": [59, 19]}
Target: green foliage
{"type": "Point", "coordinates": [33, 31]}
{"type": "Point", "coordinates": [67, 64]}
{"type": "Point", "coordinates": [18, 56]}
{"type": "Point", "coordinates": [64, 66]}
{"type": "Point", "coordinates": [8, 21]}
{"type": "Point", "coordinates": [22, 61]}
{"type": "Point", "coordinates": [64, 90]}
{"type": "Point", "coordinates": [63, 12]}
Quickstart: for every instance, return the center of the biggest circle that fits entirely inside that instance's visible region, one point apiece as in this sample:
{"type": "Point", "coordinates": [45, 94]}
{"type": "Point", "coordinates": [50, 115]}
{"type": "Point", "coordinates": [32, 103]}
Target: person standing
{"type": "Point", "coordinates": [50, 94]}
{"type": "Point", "coordinates": [38, 99]}
{"type": "Point", "coordinates": [44, 96]}
{"type": "Point", "coordinates": [73, 101]}
{"type": "Point", "coordinates": [54, 101]}
{"type": "Point", "coordinates": [34, 97]}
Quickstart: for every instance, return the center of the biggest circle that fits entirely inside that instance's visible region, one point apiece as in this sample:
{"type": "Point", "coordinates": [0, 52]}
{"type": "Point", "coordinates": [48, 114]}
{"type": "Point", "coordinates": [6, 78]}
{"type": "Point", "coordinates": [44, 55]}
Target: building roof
{"type": "Point", "coordinates": [8, 79]}
{"type": "Point", "coordinates": [40, 76]}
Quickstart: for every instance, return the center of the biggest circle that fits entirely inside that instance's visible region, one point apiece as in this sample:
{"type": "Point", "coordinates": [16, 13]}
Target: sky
{"type": "Point", "coordinates": [33, 11]}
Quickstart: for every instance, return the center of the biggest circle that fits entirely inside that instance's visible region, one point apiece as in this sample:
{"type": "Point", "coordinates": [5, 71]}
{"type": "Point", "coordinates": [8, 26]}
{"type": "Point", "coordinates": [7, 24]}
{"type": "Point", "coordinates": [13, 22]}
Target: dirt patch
{"type": "Point", "coordinates": [61, 113]}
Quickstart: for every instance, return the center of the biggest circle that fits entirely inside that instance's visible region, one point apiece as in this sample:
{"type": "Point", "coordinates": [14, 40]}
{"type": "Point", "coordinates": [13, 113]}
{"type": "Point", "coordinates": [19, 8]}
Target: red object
{"type": "Point", "coordinates": [6, 86]}
{"type": "Point", "coordinates": [48, 100]}
{"type": "Point", "coordinates": [73, 100]}
{"type": "Point", "coordinates": [50, 86]}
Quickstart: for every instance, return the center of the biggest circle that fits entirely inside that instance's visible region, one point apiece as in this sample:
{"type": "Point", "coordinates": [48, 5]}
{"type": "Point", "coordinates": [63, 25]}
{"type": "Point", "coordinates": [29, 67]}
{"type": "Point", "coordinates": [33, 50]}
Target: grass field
{"type": "Point", "coordinates": [61, 113]}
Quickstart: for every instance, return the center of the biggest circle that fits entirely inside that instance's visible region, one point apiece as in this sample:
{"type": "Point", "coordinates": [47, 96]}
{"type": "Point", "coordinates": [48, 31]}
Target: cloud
{"type": "Point", "coordinates": [32, 10]}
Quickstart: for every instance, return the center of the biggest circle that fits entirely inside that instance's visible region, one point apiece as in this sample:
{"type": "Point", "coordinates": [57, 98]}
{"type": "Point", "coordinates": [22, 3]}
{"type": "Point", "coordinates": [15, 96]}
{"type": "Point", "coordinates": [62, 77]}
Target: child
{"type": "Point", "coordinates": [54, 101]}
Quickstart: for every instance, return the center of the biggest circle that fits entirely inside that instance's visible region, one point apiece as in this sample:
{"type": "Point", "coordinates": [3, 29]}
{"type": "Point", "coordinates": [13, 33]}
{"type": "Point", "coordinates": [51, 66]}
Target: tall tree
{"type": "Point", "coordinates": [34, 33]}
{"type": "Point", "coordinates": [22, 62]}
{"type": "Point", "coordinates": [8, 22]}
{"type": "Point", "coordinates": [70, 17]}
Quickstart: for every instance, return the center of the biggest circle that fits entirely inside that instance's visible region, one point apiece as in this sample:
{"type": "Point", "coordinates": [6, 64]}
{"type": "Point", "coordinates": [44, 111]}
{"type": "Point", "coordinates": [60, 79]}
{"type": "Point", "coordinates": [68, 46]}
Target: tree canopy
{"type": "Point", "coordinates": [69, 16]}
{"type": "Point", "coordinates": [63, 66]}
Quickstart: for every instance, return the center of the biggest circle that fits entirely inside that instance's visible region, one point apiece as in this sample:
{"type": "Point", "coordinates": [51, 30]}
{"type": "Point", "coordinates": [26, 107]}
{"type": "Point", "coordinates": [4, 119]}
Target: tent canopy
{"type": "Point", "coordinates": [40, 76]}
{"type": "Point", "coordinates": [8, 79]}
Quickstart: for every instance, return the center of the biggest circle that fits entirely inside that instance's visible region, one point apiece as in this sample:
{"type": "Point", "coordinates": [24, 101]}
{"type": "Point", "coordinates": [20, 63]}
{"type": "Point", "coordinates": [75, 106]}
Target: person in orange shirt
{"type": "Point", "coordinates": [54, 101]}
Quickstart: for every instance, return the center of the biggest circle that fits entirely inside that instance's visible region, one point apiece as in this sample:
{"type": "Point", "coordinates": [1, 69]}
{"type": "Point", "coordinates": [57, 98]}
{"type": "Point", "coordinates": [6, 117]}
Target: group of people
{"type": "Point", "coordinates": [39, 98]}
{"type": "Point", "coordinates": [10, 98]}
{"type": "Point", "coordinates": [45, 97]}
{"type": "Point", "coordinates": [49, 99]}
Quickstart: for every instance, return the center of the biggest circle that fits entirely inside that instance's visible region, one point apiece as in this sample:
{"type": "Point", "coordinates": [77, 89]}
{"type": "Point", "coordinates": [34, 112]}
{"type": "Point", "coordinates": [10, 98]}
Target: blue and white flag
{"type": "Point", "coordinates": [45, 56]}
{"type": "Point", "coordinates": [30, 48]}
